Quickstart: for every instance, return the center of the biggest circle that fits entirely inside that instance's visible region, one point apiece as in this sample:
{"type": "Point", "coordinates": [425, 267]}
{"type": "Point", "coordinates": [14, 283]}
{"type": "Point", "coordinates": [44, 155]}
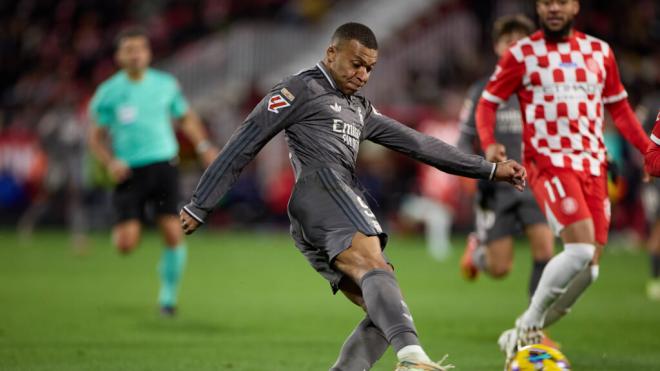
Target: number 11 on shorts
{"type": "Point", "coordinates": [551, 190]}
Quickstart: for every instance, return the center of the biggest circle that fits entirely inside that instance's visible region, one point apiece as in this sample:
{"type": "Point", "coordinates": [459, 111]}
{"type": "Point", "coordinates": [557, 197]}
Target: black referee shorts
{"type": "Point", "coordinates": [155, 185]}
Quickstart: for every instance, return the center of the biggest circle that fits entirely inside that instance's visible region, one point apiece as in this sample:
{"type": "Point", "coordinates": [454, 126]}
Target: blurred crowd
{"type": "Point", "coordinates": [54, 54]}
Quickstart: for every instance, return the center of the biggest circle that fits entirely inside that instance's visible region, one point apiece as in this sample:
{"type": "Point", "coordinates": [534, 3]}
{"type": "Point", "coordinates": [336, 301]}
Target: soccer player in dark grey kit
{"type": "Point", "coordinates": [501, 212]}
{"type": "Point", "coordinates": [325, 120]}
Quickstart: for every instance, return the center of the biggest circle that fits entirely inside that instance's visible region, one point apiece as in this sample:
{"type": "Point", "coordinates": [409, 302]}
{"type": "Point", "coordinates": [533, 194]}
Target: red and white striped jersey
{"type": "Point", "coordinates": [562, 87]}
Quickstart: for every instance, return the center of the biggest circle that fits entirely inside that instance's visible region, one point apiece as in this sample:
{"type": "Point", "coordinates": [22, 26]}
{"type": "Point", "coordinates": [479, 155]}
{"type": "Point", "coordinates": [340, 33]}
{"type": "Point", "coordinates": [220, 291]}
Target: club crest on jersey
{"type": "Point", "coordinates": [593, 66]}
{"type": "Point", "coordinates": [276, 103]}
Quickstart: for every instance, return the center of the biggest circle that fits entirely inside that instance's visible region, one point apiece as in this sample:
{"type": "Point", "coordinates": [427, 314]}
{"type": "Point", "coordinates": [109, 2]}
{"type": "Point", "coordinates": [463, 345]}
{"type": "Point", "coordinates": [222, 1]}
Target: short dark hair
{"type": "Point", "coordinates": [133, 31]}
{"type": "Point", "coordinates": [356, 31]}
{"type": "Point", "coordinates": [512, 23]}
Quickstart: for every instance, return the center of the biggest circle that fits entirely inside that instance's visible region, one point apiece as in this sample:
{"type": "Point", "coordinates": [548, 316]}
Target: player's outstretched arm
{"type": "Point", "coordinates": [273, 114]}
{"type": "Point", "coordinates": [511, 172]}
{"type": "Point", "coordinates": [424, 148]}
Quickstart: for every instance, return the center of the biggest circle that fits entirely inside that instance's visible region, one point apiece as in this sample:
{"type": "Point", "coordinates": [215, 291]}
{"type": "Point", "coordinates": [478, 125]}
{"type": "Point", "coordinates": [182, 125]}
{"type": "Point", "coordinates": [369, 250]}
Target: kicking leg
{"type": "Point", "coordinates": [562, 306]}
{"type": "Point", "coordinates": [363, 262]}
{"type": "Point", "coordinates": [579, 250]}
{"type": "Point", "coordinates": [366, 344]}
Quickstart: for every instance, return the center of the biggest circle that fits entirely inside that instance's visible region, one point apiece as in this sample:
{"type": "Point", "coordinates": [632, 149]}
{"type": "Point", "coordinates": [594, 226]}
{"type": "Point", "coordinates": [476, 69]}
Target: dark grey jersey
{"type": "Point", "coordinates": [323, 129]}
{"type": "Point", "coordinates": [508, 127]}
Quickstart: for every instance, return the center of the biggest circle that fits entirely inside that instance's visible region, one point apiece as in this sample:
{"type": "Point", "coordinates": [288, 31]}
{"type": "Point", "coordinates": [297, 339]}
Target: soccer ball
{"type": "Point", "coordinates": [539, 357]}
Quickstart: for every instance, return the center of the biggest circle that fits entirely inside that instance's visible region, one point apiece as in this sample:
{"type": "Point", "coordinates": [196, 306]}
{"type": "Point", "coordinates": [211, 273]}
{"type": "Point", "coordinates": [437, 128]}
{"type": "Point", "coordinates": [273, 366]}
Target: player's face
{"type": "Point", "coordinates": [351, 63]}
{"type": "Point", "coordinates": [134, 54]}
{"type": "Point", "coordinates": [505, 41]}
{"type": "Point", "coordinates": [557, 16]}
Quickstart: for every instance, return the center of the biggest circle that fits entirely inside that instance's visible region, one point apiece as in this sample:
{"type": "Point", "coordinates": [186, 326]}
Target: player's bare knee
{"type": "Point", "coordinates": [500, 270]}
{"type": "Point", "coordinates": [125, 244]}
{"type": "Point", "coordinates": [172, 240]}
{"type": "Point", "coordinates": [579, 232]}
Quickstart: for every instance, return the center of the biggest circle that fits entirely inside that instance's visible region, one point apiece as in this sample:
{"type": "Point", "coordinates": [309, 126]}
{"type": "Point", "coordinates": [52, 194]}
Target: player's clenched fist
{"type": "Point", "coordinates": [188, 223]}
{"type": "Point", "coordinates": [512, 172]}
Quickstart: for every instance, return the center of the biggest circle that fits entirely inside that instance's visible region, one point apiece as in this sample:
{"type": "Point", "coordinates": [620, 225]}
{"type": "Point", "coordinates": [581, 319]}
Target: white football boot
{"type": "Point", "coordinates": [413, 365]}
{"type": "Point", "coordinates": [515, 338]}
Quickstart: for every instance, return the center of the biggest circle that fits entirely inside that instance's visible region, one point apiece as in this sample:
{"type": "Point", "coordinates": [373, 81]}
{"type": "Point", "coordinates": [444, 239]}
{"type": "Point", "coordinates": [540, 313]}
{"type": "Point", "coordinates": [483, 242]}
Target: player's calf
{"type": "Point", "coordinates": [126, 236]}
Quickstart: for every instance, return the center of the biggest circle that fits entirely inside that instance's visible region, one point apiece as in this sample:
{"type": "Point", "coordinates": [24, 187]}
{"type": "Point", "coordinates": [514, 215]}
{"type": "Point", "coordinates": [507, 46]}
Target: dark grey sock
{"type": "Point", "coordinates": [386, 308]}
{"type": "Point", "coordinates": [363, 347]}
{"type": "Point", "coordinates": [535, 276]}
{"type": "Point", "coordinates": [655, 266]}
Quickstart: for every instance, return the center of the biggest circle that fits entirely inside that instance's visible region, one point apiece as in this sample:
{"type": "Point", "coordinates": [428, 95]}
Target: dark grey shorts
{"type": "Point", "coordinates": [326, 209]}
{"type": "Point", "coordinates": [505, 212]}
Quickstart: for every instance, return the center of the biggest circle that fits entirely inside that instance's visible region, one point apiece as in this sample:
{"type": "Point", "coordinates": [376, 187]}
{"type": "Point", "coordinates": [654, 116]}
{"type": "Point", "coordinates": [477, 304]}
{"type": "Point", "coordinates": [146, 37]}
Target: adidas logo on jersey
{"type": "Point", "coordinates": [336, 107]}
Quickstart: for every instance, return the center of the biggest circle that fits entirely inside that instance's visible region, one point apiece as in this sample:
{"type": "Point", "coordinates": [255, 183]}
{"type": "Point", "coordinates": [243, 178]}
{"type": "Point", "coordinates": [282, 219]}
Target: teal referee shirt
{"type": "Point", "coordinates": [138, 116]}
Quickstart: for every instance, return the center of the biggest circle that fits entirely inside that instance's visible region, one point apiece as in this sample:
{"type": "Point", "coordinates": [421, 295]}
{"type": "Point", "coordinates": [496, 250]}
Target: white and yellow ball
{"type": "Point", "coordinates": [539, 357]}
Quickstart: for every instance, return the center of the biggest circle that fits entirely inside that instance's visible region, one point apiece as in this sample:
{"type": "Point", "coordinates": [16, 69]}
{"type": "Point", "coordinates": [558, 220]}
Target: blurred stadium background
{"type": "Point", "coordinates": [226, 53]}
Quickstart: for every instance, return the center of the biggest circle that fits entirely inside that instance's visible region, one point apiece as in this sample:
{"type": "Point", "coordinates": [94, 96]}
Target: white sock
{"type": "Point", "coordinates": [412, 352]}
{"type": "Point", "coordinates": [595, 270]}
{"type": "Point", "coordinates": [559, 272]}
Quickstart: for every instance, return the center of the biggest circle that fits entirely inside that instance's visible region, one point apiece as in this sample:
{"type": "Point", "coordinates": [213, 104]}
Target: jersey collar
{"type": "Point", "coordinates": [327, 75]}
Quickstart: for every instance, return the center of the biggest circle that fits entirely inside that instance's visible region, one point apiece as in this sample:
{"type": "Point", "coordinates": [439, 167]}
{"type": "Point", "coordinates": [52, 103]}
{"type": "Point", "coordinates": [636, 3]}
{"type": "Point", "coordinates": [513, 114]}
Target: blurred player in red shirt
{"type": "Point", "coordinates": [652, 157]}
{"type": "Point", "coordinates": [652, 166]}
{"type": "Point", "coordinates": [563, 78]}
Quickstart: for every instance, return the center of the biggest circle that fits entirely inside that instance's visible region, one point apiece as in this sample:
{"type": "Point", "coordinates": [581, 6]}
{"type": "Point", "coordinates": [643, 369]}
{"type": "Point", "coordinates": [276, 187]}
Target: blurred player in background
{"type": "Point", "coordinates": [62, 135]}
{"type": "Point", "coordinates": [325, 120]}
{"type": "Point", "coordinates": [652, 165]}
{"type": "Point", "coordinates": [133, 110]}
{"type": "Point", "coordinates": [500, 212]}
{"type": "Point", "coordinates": [438, 194]}
{"type": "Point", "coordinates": [562, 78]}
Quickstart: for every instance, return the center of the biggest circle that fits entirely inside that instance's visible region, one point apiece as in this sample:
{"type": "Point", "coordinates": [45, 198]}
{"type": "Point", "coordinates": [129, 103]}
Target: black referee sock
{"type": "Point", "coordinates": [386, 308]}
{"type": "Point", "coordinates": [655, 266]}
{"type": "Point", "coordinates": [363, 347]}
{"type": "Point", "coordinates": [535, 276]}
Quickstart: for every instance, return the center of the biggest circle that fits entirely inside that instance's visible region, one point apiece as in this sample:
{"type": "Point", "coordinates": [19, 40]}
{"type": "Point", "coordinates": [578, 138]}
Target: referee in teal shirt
{"type": "Point", "coordinates": [133, 136]}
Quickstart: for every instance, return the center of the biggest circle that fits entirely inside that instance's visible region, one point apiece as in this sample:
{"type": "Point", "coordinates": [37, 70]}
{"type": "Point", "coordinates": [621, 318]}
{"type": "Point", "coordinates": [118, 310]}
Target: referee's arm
{"type": "Point", "coordinates": [194, 130]}
{"type": "Point", "coordinates": [97, 141]}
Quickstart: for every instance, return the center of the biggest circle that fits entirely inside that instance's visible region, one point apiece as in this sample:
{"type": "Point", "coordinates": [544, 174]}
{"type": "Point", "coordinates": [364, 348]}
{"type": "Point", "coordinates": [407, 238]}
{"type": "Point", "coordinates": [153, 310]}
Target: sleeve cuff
{"type": "Point", "coordinates": [195, 212]}
{"type": "Point", "coordinates": [492, 172]}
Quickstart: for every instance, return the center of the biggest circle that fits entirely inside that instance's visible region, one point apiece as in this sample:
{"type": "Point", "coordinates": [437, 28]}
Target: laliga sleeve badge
{"type": "Point", "coordinates": [276, 103]}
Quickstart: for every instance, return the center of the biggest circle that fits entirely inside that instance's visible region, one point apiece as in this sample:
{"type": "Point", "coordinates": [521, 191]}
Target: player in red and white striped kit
{"type": "Point", "coordinates": [563, 78]}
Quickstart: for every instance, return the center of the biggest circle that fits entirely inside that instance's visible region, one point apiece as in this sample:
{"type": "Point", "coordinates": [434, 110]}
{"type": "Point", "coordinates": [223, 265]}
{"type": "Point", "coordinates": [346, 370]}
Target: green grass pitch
{"type": "Point", "coordinates": [249, 302]}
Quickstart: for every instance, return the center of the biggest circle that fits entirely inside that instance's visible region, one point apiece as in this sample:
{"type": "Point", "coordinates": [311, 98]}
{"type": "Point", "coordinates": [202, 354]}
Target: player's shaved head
{"type": "Point", "coordinates": [354, 31]}
{"type": "Point", "coordinates": [352, 54]}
